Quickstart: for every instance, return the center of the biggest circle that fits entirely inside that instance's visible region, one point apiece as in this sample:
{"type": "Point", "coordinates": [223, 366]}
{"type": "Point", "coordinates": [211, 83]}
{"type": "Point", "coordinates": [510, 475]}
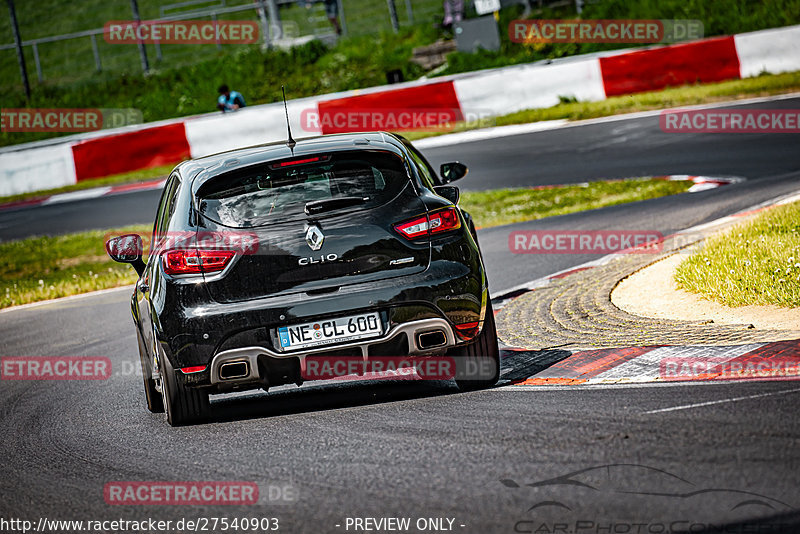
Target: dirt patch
{"type": "Point", "coordinates": [652, 292]}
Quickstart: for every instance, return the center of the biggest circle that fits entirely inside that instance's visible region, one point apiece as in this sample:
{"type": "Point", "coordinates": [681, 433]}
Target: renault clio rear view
{"type": "Point", "coordinates": [344, 245]}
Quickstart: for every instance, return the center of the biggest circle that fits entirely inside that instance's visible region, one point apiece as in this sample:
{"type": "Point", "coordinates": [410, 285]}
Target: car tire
{"type": "Point", "coordinates": [153, 397]}
{"type": "Point", "coordinates": [483, 355]}
{"type": "Point", "coordinates": [183, 405]}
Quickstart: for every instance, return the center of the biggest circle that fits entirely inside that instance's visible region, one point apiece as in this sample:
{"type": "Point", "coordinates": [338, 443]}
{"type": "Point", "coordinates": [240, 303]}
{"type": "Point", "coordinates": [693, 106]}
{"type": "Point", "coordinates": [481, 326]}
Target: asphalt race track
{"type": "Point", "coordinates": [320, 454]}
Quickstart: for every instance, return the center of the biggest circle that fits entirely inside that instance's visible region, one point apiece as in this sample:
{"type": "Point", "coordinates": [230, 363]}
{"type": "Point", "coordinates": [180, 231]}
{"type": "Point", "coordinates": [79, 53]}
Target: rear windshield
{"type": "Point", "coordinates": [260, 194]}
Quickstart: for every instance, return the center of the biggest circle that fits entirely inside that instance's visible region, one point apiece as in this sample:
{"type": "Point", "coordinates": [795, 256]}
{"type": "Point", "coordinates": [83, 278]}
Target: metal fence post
{"type": "Point", "coordinates": [342, 19]}
{"type": "Point", "coordinates": [142, 49]}
{"type": "Point", "coordinates": [393, 15]}
{"type": "Point", "coordinates": [262, 13]}
{"type": "Point", "coordinates": [410, 13]}
{"type": "Point", "coordinates": [20, 54]}
{"type": "Point", "coordinates": [214, 20]}
{"type": "Point", "coordinates": [96, 53]}
{"type": "Point", "coordinates": [276, 29]}
{"type": "Point", "coordinates": [37, 62]}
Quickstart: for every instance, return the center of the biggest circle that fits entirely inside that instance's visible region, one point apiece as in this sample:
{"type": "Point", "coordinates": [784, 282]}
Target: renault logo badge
{"type": "Point", "coordinates": [314, 237]}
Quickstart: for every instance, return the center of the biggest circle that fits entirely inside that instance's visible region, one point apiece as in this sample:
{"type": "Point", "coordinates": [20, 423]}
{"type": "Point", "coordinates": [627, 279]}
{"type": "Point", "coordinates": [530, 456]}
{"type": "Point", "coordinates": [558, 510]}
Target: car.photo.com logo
{"type": "Point", "coordinates": [181, 32]}
{"type": "Point", "coordinates": [542, 31]}
{"type": "Point", "coordinates": [656, 502]}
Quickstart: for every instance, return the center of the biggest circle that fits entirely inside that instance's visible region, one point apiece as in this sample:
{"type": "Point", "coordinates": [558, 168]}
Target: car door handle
{"type": "Point", "coordinates": [143, 287]}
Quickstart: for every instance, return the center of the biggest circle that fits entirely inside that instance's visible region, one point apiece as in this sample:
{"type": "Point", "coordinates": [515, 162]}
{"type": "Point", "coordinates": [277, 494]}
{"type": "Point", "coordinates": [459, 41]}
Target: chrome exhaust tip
{"type": "Point", "coordinates": [431, 339]}
{"type": "Point", "coordinates": [233, 370]}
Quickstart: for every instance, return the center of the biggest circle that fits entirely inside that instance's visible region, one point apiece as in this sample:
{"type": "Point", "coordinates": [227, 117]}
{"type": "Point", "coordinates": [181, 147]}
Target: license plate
{"type": "Point", "coordinates": [330, 331]}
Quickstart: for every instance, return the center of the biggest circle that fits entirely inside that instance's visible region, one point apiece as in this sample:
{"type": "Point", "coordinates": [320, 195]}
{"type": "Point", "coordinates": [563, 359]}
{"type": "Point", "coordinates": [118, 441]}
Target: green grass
{"type": "Point", "coordinates": [757, 262]}
{"type": "Point", "coordinates": [41, 268]}
{"type": "Point", "coordinates": [506, 206]}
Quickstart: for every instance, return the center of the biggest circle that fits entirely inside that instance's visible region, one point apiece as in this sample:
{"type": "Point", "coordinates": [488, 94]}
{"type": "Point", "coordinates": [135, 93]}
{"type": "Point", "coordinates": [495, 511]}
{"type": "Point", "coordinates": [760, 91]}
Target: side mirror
{"type": "Point", "coordinates": [450, 192]}
{"type": "Point", "coordinates": [127, 248]}
{"type": "Point", "coordinates": [450, 172]}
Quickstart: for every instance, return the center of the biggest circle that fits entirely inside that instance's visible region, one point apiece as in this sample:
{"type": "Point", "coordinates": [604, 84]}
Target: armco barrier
{"type": "Point", "coordinates": [139, 149]}
{"type": "Point", "coordinates": [209, 134]}
{"type": "Point", "coordinates": [492, 92]}
{"type": "Point", "coordinates": [772, 51]}
{"type": "Point", "coordinates": [711, 60]}
{"type": "Point", "coordinates": [430, 96]}
{"type": "Point", "coordinates": [510, 89]}
{"type": "Point", "coordinates": [45, 167]}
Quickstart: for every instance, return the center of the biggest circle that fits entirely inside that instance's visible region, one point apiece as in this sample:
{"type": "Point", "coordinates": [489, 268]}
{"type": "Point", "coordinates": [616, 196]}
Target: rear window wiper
{"type": "Point", "coordinates": [318, 206]}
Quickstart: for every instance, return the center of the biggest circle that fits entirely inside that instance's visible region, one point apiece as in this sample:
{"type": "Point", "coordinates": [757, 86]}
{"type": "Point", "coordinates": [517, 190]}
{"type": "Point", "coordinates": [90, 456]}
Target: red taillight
{"type": "Point", "coordinates": [467, 331]}
{"type": "Point", "coordinates": [434, 223]}
{"type": "Point", "coordinates": [196, 261]}
{"type": "Point", "coordinates": [195, 369]}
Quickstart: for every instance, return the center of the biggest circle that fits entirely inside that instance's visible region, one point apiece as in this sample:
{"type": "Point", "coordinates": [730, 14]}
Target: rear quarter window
{"type": "Point", "coordinates": [260, 194]}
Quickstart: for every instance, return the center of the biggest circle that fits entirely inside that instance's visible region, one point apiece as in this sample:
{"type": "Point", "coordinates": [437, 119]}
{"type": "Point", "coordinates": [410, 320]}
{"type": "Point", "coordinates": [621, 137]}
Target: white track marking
{"type": "Point", "coordinates": [66, 299]}
{"type": "Point", "coordinates": [78, 195]}
{"type": "Point", "coordinates": [722, 401]}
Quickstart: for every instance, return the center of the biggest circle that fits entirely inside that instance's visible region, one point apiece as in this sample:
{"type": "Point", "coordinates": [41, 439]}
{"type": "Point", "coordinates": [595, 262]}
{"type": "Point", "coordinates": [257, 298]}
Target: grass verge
{"type": "Point", "coordinates": [757, 262]}
{"type": "Point", "coordinates": [42, 268]}
{"type": "Point", "coordinates": [506, 206]}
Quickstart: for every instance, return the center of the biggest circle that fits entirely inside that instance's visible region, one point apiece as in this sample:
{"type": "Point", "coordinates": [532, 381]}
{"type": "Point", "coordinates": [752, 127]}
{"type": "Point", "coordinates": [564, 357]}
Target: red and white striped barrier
{"type": "Point", "coordinates": [486, 93]}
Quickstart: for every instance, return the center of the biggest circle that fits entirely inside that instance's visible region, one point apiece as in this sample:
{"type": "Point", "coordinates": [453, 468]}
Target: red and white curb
{"type": "Point", "coordinates": [633, 365]}
{"type": "Point", "coordinates": [636, 365]}
{"type": "Point", "coordinates": [85, 194]}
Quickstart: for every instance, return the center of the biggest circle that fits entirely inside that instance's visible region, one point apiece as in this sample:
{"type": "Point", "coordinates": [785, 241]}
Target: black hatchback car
{"type": "Point", "coordinates": [265, 257]}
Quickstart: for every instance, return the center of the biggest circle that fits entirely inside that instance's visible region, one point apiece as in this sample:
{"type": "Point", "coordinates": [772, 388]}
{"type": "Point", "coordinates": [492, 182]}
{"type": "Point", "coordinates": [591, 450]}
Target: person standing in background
{"type": "Point", "coordinates": [453, 12]}
{"type": "Point", "coordinates": [229, 100]}
{"type": "Point", "coordinates": [331, 11]}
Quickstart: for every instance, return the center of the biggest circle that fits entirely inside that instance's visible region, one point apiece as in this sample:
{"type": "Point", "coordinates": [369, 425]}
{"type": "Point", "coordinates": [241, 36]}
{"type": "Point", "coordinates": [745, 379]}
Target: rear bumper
{"type": "Point", "coordinates": [213, 334]}
{"type": "Point", "coordinates": [254, 360]}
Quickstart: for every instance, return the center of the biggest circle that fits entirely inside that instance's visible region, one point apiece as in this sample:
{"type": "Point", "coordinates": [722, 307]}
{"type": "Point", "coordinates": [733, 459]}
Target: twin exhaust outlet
{"type": "Point", "coordinates": [234, 370]}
